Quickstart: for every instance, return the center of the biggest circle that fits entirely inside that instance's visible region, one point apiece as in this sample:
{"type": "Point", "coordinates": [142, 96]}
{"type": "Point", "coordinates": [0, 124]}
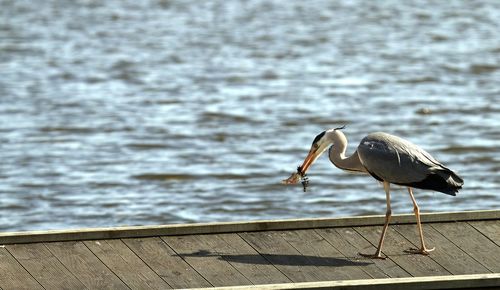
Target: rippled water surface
{"type": "Point", "coordinates": [155, 112]}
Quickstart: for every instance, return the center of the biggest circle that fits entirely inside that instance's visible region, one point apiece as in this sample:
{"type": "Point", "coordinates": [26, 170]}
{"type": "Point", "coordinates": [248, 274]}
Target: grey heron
{"type": "Point", "coordinates": [389, 159]}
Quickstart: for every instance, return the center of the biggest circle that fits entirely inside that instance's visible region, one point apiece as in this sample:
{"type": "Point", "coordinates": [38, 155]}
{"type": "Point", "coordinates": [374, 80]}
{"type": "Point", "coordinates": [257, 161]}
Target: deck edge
{"type": "Point", "coordinates": [409, 283]}
{"type": "Point", "coordinates": [226, 227]}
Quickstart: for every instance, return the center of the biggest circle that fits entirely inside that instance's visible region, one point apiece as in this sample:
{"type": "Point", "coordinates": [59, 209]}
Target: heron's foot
{"type": "Point", "coordinates": [377, 255]}
{"type": "Point", "coordinates": [422, 251]}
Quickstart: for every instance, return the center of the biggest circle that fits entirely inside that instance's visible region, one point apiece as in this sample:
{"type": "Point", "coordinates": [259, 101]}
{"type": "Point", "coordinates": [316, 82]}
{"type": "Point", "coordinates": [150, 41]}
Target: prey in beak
{"type": "Point", "coordinates": [296, 176]}
{"type": "Point", "coordinates": [317, 148]}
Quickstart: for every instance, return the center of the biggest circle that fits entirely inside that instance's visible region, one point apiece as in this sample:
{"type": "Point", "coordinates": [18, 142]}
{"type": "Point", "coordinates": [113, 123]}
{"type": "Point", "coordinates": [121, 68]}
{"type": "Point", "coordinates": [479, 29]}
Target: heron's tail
{"type": "Point", "coordinates": [450, 183]}
{"type": "Point", "coordinates": [443, 180]}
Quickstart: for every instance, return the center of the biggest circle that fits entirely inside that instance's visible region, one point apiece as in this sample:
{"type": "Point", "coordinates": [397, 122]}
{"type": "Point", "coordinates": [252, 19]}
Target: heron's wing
{"type": "Point", "coordinates": [396, 160]}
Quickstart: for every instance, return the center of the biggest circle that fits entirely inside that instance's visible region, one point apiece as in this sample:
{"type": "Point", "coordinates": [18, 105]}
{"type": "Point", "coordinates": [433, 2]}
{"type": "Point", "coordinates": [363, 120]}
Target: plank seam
{"type": "Point", "coordinates": [343, 272]}
{"type": "Point", "coordinates": [485, 235]}
{"type": "Point", "coordinates": [339, 233]}
{"type": "Point", "coordinates": [140, 258]}
{"type": "Point", "coordinates": [69, 271]}
{"type": "Point", "coordinates": [91, 253]}
{"type": "Point", "coordinates": [416, 247]}
{"type": "Point", "coordinates": [265, 258]}
{"type": "Point", "coordinates": [107, 266]}
{"type": "Point", "coordinates": [298, 251]}
{"type": "Point", "coordinates": [350, 258]}
{"type": "Point", "coordinates": [466, 252]}
{"type": "Point", "coordinates": [179, 255]}
{"type": "Point", "coordinates": [375, 246]}
{"type": "Point", "coordinates": [163, 243]}
{"type": "Point", "coordinates": [229, 262]}
{"type": "Point", "coordinates": [22, 266]}
{"type": "Point", "coordinates": [232, 266]}
{"type": "Point", "coordinates": [387, 257]}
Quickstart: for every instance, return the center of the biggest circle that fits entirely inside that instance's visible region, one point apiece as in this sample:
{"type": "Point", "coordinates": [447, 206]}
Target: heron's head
{"type": "Point", "coordinates": [319, 145]}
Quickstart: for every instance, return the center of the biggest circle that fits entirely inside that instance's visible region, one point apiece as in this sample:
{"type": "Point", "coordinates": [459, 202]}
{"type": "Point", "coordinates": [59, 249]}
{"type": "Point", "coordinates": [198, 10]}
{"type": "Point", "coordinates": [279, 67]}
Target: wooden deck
{"type": "Point", "coordinates": [308, 253]}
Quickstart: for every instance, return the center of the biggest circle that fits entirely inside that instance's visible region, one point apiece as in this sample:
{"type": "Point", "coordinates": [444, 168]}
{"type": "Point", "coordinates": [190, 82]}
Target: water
{"type": "Point", "coordinates": [155, 112]}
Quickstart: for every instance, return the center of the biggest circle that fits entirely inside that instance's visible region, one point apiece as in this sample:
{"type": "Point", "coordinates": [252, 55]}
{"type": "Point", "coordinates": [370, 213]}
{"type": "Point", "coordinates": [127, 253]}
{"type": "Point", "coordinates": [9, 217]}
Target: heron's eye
{"type": "Point", "coordinates": [315, 145]}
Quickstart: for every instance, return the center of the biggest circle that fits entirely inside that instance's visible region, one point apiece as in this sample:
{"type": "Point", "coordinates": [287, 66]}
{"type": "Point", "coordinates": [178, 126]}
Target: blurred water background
{"type": "Point", "coordinates": [171, 111]}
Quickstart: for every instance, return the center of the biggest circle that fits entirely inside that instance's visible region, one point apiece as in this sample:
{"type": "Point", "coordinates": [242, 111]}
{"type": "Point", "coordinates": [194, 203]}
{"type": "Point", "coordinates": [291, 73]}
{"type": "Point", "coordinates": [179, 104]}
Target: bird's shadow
{"type": "Point", "coordinates": [279, 259]}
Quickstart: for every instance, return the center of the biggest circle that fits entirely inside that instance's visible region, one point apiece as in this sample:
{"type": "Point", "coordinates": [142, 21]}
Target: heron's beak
{"type": "Point", "coordinates": [311, 157]}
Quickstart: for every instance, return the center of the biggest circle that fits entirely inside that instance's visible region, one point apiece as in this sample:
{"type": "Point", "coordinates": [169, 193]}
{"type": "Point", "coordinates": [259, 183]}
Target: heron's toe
{"type": "Point", "coordinates": [421, 251]}
{"type": "Point", "coordinates": [373, 256]}
{"type": "Point", "coordinates": [426, 251]}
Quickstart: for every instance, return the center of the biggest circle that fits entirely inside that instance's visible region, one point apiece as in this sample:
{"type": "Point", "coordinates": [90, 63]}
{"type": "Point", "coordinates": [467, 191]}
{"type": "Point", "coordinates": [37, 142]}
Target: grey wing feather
{"type": "Point", "coordinates": [386, 157]}
{"type": "Point", "coordinates": [398, 161]}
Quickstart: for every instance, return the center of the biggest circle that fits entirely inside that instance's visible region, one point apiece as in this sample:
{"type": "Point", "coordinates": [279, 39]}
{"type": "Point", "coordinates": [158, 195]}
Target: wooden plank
{"type": "Point", "coordinates": [490, 229]}
{"type": "Point", "coordinates": [394, 247]}
{"type": "Point", "coordinates": [166, 263]}
{"type": "Point", "coordinates": [477, 281]}
{"type": "Point", "coordinates": [332, 264]}
{"type": "Point", "coordinates": [446, 253]}
{"type": "Point", "coordinates": [44, 266]}
{"type": "Point", "coordinates": [126, 265]}
{"type": "Point", "coordinates": [229, 227]}
{"type": "Point", "coordinates": [80, 261]}
{"type": "Point", "coordinates": [472, 242]}
{"type": "Point", "coordinates": [13, 275]}
{"type": "Point", "coordinates": [248, 261]}
{"type": "Point", "coordinates": [198, 251]}
{"type": "Point", "coordinates": [350, 243]}
{"type": "Point", "coordinates": [285, 257]}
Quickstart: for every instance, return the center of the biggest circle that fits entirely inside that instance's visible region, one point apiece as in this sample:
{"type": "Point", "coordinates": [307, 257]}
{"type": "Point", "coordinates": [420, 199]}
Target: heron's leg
{"type": "Point", "coordinates": [388, 213]}
{"type": "Point", "coordinates": [423, 250]}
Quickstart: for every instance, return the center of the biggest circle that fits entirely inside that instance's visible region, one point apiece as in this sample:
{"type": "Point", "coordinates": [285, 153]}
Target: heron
{"type": "Point", "coordinates": [390, 160]}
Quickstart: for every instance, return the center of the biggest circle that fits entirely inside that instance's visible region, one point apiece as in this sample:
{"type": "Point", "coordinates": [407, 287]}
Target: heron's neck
{"type": "Point", "coordinates": [338, 158]}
